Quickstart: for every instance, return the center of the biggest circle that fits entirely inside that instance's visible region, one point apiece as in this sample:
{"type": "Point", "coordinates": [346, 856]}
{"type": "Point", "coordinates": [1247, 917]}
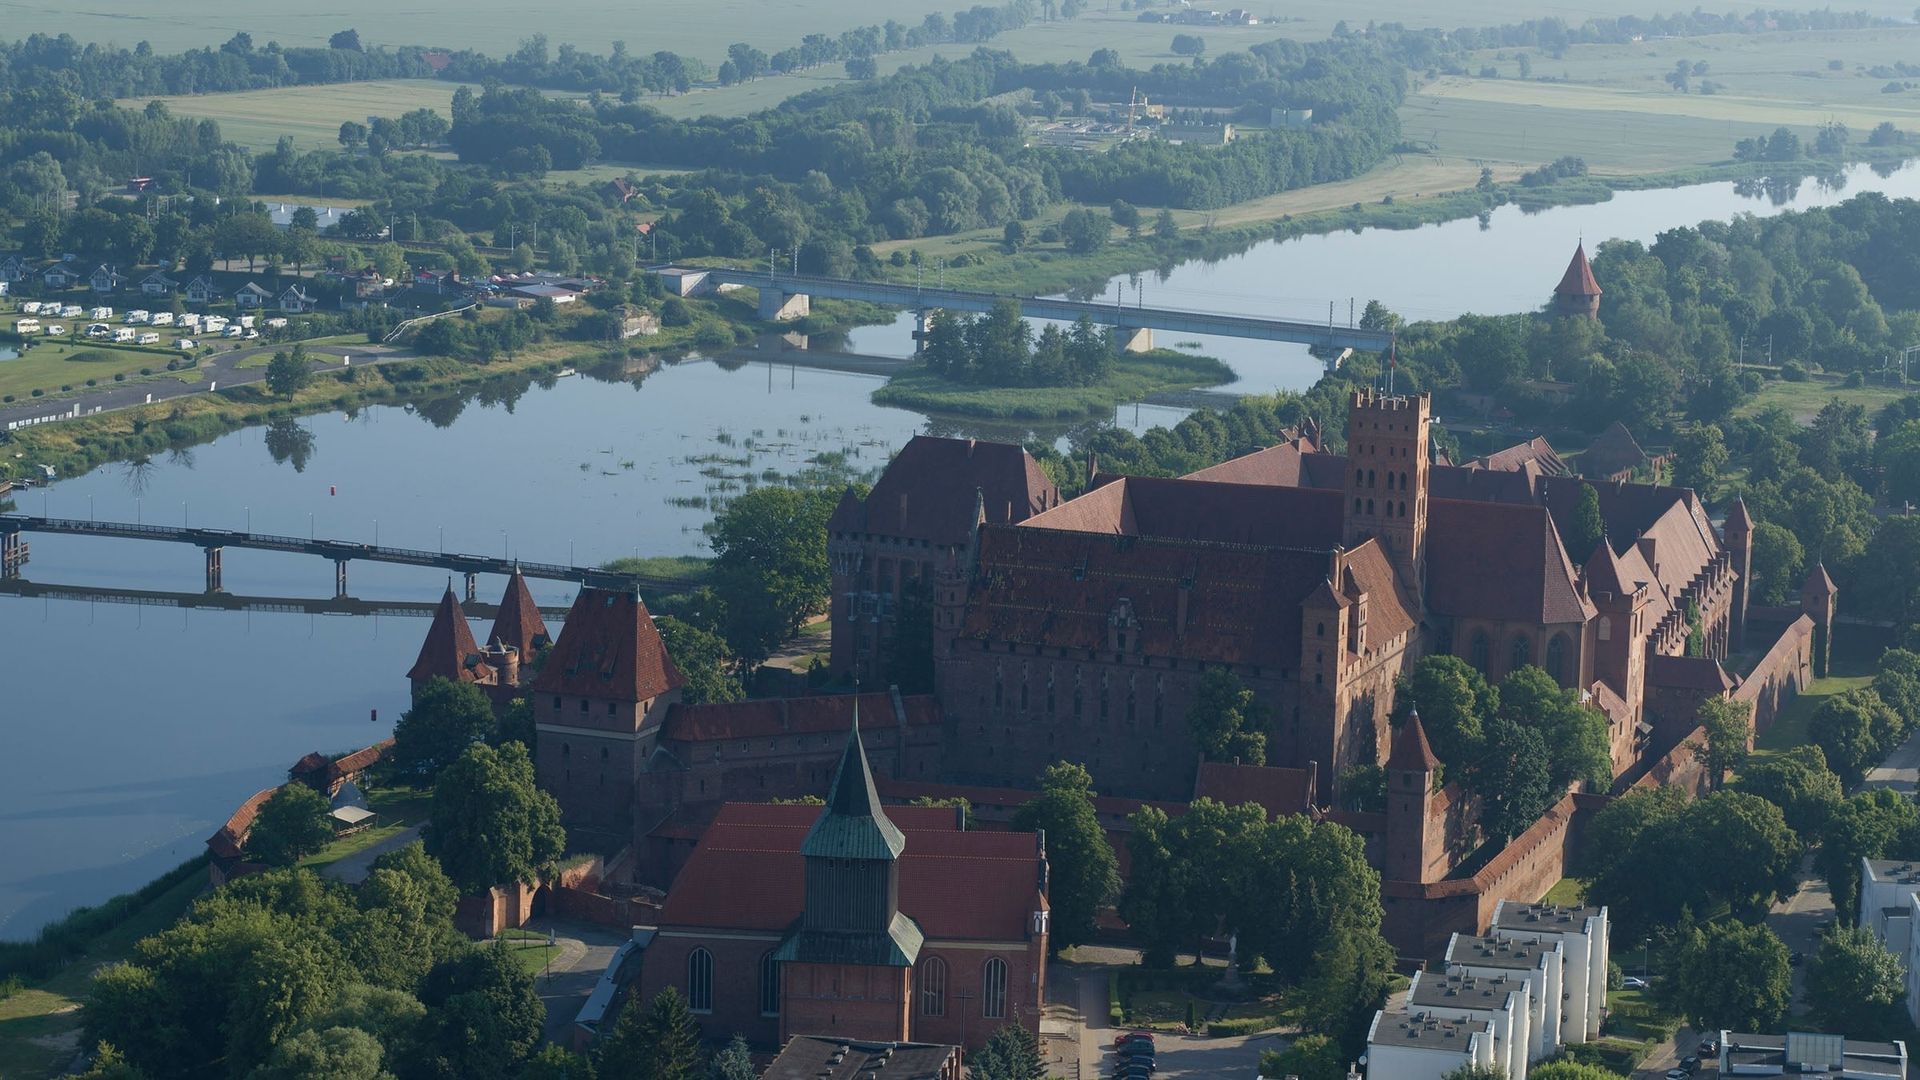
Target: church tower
{"type": "Point", "coordinates": [1578, 293]}
{"type": "Point", "coordinates": [1817, 596]}
{"type": "Point", "coordinates": [847, 967]}
{"type": "Point", "coordinates": [1386, 485]}
{"type": "Point", "coordinates": [1412, 835]}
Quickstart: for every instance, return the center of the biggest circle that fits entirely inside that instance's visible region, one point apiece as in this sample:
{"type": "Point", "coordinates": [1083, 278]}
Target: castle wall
{"type": "Point", "coordinates": [1782, 673]}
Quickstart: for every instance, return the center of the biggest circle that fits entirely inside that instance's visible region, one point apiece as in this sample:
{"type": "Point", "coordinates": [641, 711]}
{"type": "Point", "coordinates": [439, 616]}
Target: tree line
{"type": "Point", "coordinates": [1000, 348]}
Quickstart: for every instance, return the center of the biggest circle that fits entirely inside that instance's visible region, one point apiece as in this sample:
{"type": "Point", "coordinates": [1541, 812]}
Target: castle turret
{"type": "Point", "coordinates": [1819, 599]}
{"type": "Point", "coordinates": [1412, 835]}
{"type": "Point", "coordinates": [449, 652]}
{"type": "Point", "coordinates": [519, 625]}
{"type": "Point", "coordinates": [1386, 485]}
{"type": "Point", "coordinates": [1619, 643]}
{"type": "Point", "coordinates": [1737, 537]}
{"type": "Point", "coordinates": [1578, 293]}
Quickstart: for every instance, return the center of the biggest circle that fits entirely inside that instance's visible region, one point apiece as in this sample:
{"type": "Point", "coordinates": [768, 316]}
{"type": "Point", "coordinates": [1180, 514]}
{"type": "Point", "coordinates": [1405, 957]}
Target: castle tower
{"type": "Point", "coordinates": [598, 703]}
{"type": "Point", "coordinates": [1326, 618]}
{"type": "Point", "coordinates": [1412, 834]}
{"type": "Point", "coordinates": [1578, 293]}
{"type": "Point", "coordinates": [1619, 642]}
{"type": "Point", "coordinates": [1386, 486]}
{"type": "Point", "coordinates": [1737, 538]}
{"type": "Point", "coordinates": [851, 932]}
{"type": "Point", "coordinates": [1819, 599]}
{"type": "Point", "coordinates": [449, 652]}
{"type": "Point", "coordinates": [519, 625]}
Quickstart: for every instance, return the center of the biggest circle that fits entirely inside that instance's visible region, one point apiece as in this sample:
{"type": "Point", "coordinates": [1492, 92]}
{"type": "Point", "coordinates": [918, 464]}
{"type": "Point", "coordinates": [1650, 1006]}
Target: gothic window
{"type": "Point", "coordinates": [1478, 652]}
{"type": "Point", "coordinates": [769, 984]}
{"type": "Point", "coordinates": [1606, 628]}
{"type": "Point", "coordinates": [993, 989]}
{"type": "Point", "coordinates": [1159, 698]}
{"type": "Point", "coordinates": [1557, 658]}
{"type": "Point", "coordinates": [1356, 504]}
{"type": "Point", "coordinates": [1320, 629]}
{"type": "Point", "coordinates": [700, 981]}
{"type": "Point", "coordinates": [1370, 478]}
{"type": "Point", "coordinates": [1132, 690]}
{"type": "Point", "coordinates": [566, 750]}
{"type": "Point", "coordinates": [1403, 509]}
{"type": "Point", "coordinates": [999, 687]}
{"type": "Point", "coordinates": [933, 987]}
{"type": "Point", "coordinates": [1103, 697]}
{"type": "Point", "coordinates": [1050, 698]}
{"type": "Point", "coordinates": [1522, 654]}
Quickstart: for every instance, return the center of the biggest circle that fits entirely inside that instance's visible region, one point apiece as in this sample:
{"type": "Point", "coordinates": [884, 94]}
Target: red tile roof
{"type": "Point", "coordinates": [1578, 280]}
{"type": "Point", "coordinates": [1266, 515]}
{"type": "Point", "coordinates": [1613, 452]}
{"type": "Point", "coordinates": [746, 874]}
{"type": "Point", "coordinates": [1499, 561]}
{"type": "Point", "coordinates": [1280, 791]}
{"type": "Point", "coordinates": [1411, 751]}
{"type": "Point", "coordinates": [361, 760]}
{"type": "Point", "coordinates": [1738, 518]}
{"type": "Point", "coordinates": [765, 717]}
{"type": "Point", "coordinates": [608, 648]}
{"type": "Point", "coordinates": [1535, 451]}
{"type": "Point", "coordinates": [1818, 582]}
{"type": "Point", "coordinates": [232, 837]}
{"type": "Point", "coordinates": [1688, 673]}
{"type": "Point", "coordinates": [449, 648]}
{"type": "Point", "coordinates": [519, 623]}
{"type": "Point", "coordinates": [928, 491]}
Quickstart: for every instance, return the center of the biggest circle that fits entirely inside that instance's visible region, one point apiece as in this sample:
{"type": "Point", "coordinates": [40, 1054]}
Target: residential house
{"type": "Point", "coordinates": [1413, 1045]}
{"type": "Point", "coordinates": [201, 290]}
{"type": "Point", "coordinates": [105, 279]}
{"type": "Point", "coordinates": [295, 300]}
{"type": "Point", "coordinates": [252, 295]}
{"type": "Point", "coordinates": [59, 276]}
{"type": "Point", "coordinates": [157, 284]}
{"type": "Point", "coordinates": [14, 268]}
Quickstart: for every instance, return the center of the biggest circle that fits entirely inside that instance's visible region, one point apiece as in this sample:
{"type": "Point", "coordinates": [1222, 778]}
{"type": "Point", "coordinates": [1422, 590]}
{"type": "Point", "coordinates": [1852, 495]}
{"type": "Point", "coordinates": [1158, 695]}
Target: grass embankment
{"type": "Point", "coordinates": [1135, 376]}
{"type": "Point", "coordinates": [1789, 728]}
{"type": "Point", "coordinates": [1805, 399]}
{"type": "Point", "coordinates": [685, 571]}
{"type": "Point", "coordinates": [40, 1025]}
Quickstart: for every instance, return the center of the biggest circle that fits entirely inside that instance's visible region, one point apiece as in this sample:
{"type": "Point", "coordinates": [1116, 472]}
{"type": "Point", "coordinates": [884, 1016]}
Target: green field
{"type": "Point", "coordinates": [1135, 376]}
{"type": "Point", "coordinates": [1804, 399]}
{"type": "Point", "coordinates": [49, 367]}
{"type": "Point", "coordinates": [312, 115]}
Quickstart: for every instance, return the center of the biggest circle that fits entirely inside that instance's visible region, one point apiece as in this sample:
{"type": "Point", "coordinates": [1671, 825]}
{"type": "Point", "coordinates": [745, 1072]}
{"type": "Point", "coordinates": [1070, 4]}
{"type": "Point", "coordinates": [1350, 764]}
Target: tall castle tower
{"type": "Point", "coordinates": [1414, 838]}
{"type": "Point", "coordinates": [1739, 544]}
{"type": "Point", "coordinates": [1386, 490]}
{"type": "Point", "coordinates": [1578, 293]}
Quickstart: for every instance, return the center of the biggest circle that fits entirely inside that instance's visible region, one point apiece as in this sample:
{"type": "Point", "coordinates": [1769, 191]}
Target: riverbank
{"type": "Point", "coordinates": [1135, 377]}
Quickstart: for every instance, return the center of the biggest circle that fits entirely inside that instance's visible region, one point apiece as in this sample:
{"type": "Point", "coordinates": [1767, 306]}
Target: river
{"type": "Point", "coordinates": [159, 721]}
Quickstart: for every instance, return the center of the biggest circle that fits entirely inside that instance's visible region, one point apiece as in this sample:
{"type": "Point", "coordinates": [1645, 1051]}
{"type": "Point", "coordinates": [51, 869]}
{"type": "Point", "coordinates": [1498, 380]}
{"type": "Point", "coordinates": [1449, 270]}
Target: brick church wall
{"type": "Point", "coordinates": [853, 1001]}
{"type": "Point", "coordinates": [736, 981]}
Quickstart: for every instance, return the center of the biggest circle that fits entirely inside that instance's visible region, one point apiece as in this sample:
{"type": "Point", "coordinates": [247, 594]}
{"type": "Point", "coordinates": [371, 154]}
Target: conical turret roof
{"type": "Point", "coordinates": [449, 643]}
{"type": "Point", "coordinates": [1818, 582]}
{"type": "Point", "coordinates": [1411, 751]}
{"type": "Point", "coordinates": [853, 825]}
{"type": "Point", "coordinates": [519, 623]}
{"type": "Point", "coordinates": [1738, 520]}
{"type": "Point", "coordinates": [1578, 280]}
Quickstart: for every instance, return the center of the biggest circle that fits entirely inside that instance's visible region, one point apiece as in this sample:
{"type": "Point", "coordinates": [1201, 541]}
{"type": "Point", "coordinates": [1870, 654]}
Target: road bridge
{"type": "Point", "coordinates": [223, 601]}
{"type": "Point", "coordinates": [14, 553]}
{"type": "Point", "coordinates": [789, 296]}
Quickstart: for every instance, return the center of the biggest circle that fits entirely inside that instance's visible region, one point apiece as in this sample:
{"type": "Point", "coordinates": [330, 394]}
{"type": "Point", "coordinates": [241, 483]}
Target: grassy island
{"type": "Point", "coordinates": [1133, 377]}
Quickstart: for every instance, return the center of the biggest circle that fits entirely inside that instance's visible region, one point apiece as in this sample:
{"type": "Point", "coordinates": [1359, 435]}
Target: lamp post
{"type": "Point", "coordinates": [503, 545]}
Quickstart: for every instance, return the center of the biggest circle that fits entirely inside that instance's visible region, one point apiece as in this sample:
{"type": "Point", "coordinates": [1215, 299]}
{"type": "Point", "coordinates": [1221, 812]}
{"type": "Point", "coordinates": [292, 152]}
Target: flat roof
{"type": "Point", "coordinates": [1893, 871]}
{"type": "Point", "coordinates": [1460, 991]}
{"type": "Point", "coordinates": [806, 1057]}
{"type": "Point", "coordinates": [351, 815]}
{"type": "Point", "coordinates": [1824, 1051]}
{"type": "Point", "coordinates": [1423, 1032]}
{"type": "Point", "coordinates": [1518, 954]}
{"type": "Point", "coordinates": [1544, 918]}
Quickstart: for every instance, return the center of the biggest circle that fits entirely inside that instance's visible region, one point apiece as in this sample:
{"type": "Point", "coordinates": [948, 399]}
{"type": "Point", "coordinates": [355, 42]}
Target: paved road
{"type": "Point", "coordinates": [355, 867]}
{"type": "Point", "coordinates": [586, 949]}
{"type": "Point", "coordinates": [221, 369]}
{"type": "Point", "coordinates": [1901, 770]}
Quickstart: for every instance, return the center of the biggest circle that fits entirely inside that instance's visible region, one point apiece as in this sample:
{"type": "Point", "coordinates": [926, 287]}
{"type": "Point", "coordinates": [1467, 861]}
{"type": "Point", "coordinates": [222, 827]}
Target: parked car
{"type": "Point", "coordinates": [1708, 1048]}
{"type": "Point", "coordinates": [1634, 982]}
{"type": "Point", "coordinates": [1689, 1064]}
{"type": "Point", "coordinates": [1679, 1074]}
{"type": "Point", "coordinates": [1136, 1035]}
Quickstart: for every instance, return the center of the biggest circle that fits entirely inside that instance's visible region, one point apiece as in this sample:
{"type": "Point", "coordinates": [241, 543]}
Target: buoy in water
{"type": "Point", "coordinates": [331, 490]}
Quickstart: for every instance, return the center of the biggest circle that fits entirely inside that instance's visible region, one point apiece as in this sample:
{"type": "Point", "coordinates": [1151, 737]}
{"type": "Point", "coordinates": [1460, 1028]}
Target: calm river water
{"type": "Point", "coordinates": [133, 732]}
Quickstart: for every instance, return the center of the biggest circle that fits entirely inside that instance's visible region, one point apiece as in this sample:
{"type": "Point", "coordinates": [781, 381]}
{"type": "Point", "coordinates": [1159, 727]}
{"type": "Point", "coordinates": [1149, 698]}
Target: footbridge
{"type": "Point", "coordinates": [790, 296]}
{"type": "Point", "coordinates": [14, 553]}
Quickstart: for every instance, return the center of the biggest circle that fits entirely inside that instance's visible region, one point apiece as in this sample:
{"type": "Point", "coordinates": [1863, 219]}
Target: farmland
{"type": "Point", "coordinates": [312, 115]}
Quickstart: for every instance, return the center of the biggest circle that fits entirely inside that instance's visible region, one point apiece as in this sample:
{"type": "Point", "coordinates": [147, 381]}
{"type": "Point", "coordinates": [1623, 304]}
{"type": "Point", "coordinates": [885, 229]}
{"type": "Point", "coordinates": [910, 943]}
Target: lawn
{"type": "Point", "coordinates": [311, 115]}
{"type": "Point", "coordinates": [530, 949]}
{"type": "Point", "coordinates": [1804, 399]}
{"type": "Point", "coordinates": [1789, 728]}
{"type": "Point", "coordinates": [48, 367]}
{"type": "Point", "coordinates": [1567, 892]}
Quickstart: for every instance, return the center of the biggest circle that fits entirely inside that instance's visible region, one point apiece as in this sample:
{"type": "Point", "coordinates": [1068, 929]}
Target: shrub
{"type": "Point", "coordinates": [146, 371]}
{"type": "Point", "coordinates": [1792, 372]}
{"type": "Point", "coordinates": [713, 337]}
{"type": "Point", "coordinates": [1246, 1025]}
{"type": "Point", "coordinates": [66, 388]}
{"type": "Point", "coordinates": [37, 391]}
{"type": "Point", "coordinates": [119, 376]}
{"type": "Point", "coordinates": [8, 399]}
{"type": "Point", "coordinates": [93, 382]}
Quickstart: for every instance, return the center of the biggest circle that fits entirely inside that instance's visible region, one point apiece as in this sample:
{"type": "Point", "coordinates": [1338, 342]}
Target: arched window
{"type": "Point", "coordinates": [933, 987]}
{"type": "Point", "coordinates": [1606, 628]}
{"type": "Point", "coordinates": [993, 989]}
{"type": "Point", "coordinates": [1370, 478]}
{"type": "Point", "coordinates": [1356, 504]}
{"type": "Point", "coordinates": [1557, 658]}
{"type": "Point", "coordinates": [1522, 654]}
{"type": "Point", "coordinates": [700, 981]}
{"type": "Point", "coordinates": [769, 984]}
{"type": "Point", "coordinates": [1478, 651]}
{"type": "Point", "coordinates": [1369, 506]}
{"type": "Point", "coordinates": [1403, 509]}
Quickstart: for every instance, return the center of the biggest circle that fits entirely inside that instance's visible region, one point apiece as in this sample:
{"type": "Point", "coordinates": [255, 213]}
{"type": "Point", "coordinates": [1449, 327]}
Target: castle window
{"type": "Point", "coordinates": [566, 750]}
{"type": "Point", "coordinates": [603, 753]}
{"type": "Point", "coordinates": [556, 701]}
{"type": "Point", "coordinates": [1403, 509]}
{"type": "Point", "coordinates": [1319, 629]}
{"type": "Point", "coordinates": [1557, 658]}
{"type": "Point", "coordinates": [1606, 628]}
{"type": "Point", "coordinates": [933, 987]}
{"type": "Point", "coordinates": [1522, 654]}
{"type": "Point", "coordinates": [583, 705]}
{"type": "Point", "coordinates": [769, 984]}
{"type": "Point", "coordinates": [1479, 651]}
{"type": "Point", "coordinates": [1356, 509]}
{"type": "Point", "coordinates": [1369, 510]}
{"type": "Point", "coordinates": [1370, 478]}
{"type": "Point", "coordinates": [609, 708]}
{"type": "Point", "coordinates": [700, 981]}
{"type": "Point", "coordinates": [993, 989]}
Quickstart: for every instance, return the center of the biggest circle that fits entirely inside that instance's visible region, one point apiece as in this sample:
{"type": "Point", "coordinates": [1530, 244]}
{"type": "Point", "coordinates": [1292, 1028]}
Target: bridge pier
{"type": "Point", "coordinates": [780, 306]}
{"type": "Point", "coordinates": [213, 569]}
{"type": "Point", "coordinates": [471, 585]}
{"type": "Point", "coordinates": [13, 554]}
{"type": "Point", "coordinates": [339, 578]}
{"type": "Point", "coordinates": [1133, 339]}
{"type": "Point", "coordinates": [922, 322]}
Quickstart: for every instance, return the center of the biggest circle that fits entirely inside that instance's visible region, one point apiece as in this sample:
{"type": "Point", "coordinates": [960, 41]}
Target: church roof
{"type": "Point", "coordinates": [449, 644]}
{"type": "Point", "coordinates": [1278, 790]}
{"type": "Point", "coordinates": [1605, 574]}
{"type": "Point", "coordinates": [853, 825]}
{"type": "Point", "coordinates": [1612, 452]}
{"type": "Point", "coordinates": [1535, 451]}
{"type": "Point", "coordinates": [1499, 561]}
{"type": "Point", "coordinates": [928, 491]}
{"type": "Point", "coordinates": [760, 718]}
{"type": "Point", "coordinates": [1411, 751]}
{"type": "Point", "coordinates": [747, 873]}
{"type": "Point", "coordinates": [1578, 280]}
{"type": "Point", "coordinates": [519, 623]}
{"type": "Point", "coordinates": [608, 648]}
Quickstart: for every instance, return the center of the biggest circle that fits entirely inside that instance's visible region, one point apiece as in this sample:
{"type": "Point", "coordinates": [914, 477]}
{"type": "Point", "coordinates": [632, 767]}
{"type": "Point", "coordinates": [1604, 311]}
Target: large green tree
{"type": "Point", "coordinates": [1729, 730]}
{"type": "Point", "coordinates": [1011, 1053]}
{"type": "Point", "coordinates": [1855, 730]}
{"type": "Point", "coordinates": [1309, 1057]}
{"type": "Point", "coordinates": [1573, 732]}
{"type": "Point", "coordinates": [555, 1062]}
{"type": "Point", "coordinates": [1512, 778]}
{"type": "Point", "coordinates": [653, 1041]}
{"type": "Point", "coordinates": [1083, 872]}
{"type": "Point", "coordinates": [1452, 698]}
{"type": "Point", "coordinates": [1226, 720]}
{"type": "Point", "coordinates": [1730, 975]}
{"type": "Point", "coordinates": [1797, 781]}
{"type": "Point", "coordinates": [483, 1017]}
{"type": "Point", "coordinates": [770, 566]}
{"type": "Point", "coordinates": [733, 1062]}
{"type": "Point", "coordinates": [1154, 903]}
{"type": "Point", "coordinates": [293, 824]}
{"type": "Point", "coordinates": [1743, 853]}
{"type": "Point", "coordinates": [491, 823]}
{"type": "Point", "coordinates": [1877, 824]}
{"type": "Point", "coordinates": [703, 658]}
{"type": "Point", "coordinates": [289, 372]}
{"type": "Point", "coordinates": [1856, 987]}
{"type": "Point", "coordinates": [445, 720]}
{"type": "Point", "coordinates": [337, 1053]}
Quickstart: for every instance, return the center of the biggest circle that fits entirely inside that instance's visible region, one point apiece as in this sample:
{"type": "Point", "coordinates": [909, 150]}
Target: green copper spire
{"type": "Point", "coordinates": [853, 825]}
